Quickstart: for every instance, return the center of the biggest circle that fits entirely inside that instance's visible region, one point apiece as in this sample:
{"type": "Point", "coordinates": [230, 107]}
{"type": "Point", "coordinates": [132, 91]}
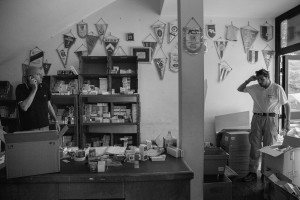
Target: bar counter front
{"type": "Point", "coordinates": [157, 180]}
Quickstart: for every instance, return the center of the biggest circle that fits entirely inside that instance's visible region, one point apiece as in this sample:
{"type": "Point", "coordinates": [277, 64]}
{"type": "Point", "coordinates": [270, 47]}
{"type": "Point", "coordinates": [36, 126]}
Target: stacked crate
{"type": "Point", "coordinates": [216, 184]}
{"type": "Point", "coordinates": [236, 144]}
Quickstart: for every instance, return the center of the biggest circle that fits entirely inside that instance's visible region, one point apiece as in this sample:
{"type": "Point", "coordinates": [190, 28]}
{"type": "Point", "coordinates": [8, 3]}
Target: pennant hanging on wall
{"type": "Point", "coordinates": [211, 30]}
{"type": "Point", "coordinates": [220, 47]}
{"type": "Point", "coordinates": [249, 35]}
{"type": "Point", "coordinates": [266, 32]}
{"type": "Point", "coordinates": [110, 43]}
{"type": "Point", "coordinates": [160, 61]}
{"type": "Point", "coordinates": [252, 56]}
{"type": "Point", "coordinates": [173, 31]}
{"type": "Point", "coordinates": [91, 41]}
{"type": "Point", "coordinates": [224, 70]}
{"type": "Point", "coordinates": [82, 29]}
{"type": "Point", "coordinates": [173, 57]}
{"type": "Point", "coordinates": [159, 30]}
{"type": "Point", "coordinates": [81, 51]}
{"type": "Point", "coordinates": [231, 32]}
{"type": "Point", "coordinates": [101, 29]}
{"type": "Point", "coordinates": [69, 39]}
{"type": "Point", "coordinates": [150, 41]}
{"type": "Point", "coordinates": [192, 37]}
{"type": "Point", "coordinates": [46, 67]}
{"type": "Point", "coordinates": [36, 57]}
{"type": "Point", "coordinates": [268, 55]}
{"type": "Point", "coordinates": [63, 53]}
{"type": "Point", "coordinates": [24, 69]}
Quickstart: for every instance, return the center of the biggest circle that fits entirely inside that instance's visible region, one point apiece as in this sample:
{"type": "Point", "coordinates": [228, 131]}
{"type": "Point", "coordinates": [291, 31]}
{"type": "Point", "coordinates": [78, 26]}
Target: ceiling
{"type": "Point", "coordinates": [46, 18]}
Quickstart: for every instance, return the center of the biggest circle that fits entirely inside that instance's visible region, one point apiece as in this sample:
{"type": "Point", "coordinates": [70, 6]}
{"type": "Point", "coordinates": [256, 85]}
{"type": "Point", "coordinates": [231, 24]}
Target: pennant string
{"type": "Point", "coordinates": [251, 26]}
{"type": "Point", "coordinates": [194, 21]}
{"type": "Point", "coordinates": [268, 46]}
{"type": "Point", "coordinates": [100, 20]}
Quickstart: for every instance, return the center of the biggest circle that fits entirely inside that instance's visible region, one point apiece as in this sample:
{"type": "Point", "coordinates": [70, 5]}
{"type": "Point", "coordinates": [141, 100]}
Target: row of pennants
{"type": "Point", "coordinates": [110, 42]}
{"type": "Point", "coordinates": [252, 57]}
{"type": "Point", "coordinates": [249, 35]}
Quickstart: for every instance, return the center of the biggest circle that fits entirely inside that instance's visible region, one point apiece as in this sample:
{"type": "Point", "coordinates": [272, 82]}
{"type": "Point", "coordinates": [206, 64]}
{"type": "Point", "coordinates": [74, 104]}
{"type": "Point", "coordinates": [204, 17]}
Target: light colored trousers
{"type": "Point", "coordinates": [264, 132]}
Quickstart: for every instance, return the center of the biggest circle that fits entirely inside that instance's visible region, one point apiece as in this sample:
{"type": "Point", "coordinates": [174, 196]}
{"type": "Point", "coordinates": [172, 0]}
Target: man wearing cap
{"type": "Point", "coordinates": [268, 99]}
{"type": "Point", "coordinates": [33, 97]}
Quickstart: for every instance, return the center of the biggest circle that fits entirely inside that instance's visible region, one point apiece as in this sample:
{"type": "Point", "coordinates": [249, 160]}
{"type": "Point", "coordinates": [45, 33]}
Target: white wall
{"type": "Point", "coordinates": [223, 97]}
{"type": "Point", "coordinates": [159, 98]}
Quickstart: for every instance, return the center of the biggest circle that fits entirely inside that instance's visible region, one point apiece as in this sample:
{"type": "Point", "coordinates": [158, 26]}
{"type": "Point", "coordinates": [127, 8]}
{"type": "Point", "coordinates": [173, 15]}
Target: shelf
{"type": "Point", "coordinates": [121, 75]}
{"type": "Point", "coordinates": [107, 124]}
{"type": "Point", "coordinates": [112, 128]}
{"type": "Point", "coordinates": [122, 98]}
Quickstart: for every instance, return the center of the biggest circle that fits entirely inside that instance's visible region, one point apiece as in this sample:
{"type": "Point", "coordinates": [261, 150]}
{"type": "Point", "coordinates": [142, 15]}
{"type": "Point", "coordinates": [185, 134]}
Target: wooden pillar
{"type": "Point", "coordinates": [191, 97]}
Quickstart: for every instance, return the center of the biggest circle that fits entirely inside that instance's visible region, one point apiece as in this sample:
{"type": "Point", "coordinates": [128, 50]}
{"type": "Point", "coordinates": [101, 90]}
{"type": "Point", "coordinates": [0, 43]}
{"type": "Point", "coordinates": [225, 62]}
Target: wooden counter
{"type": "Point", "coordinates": [165, 180]}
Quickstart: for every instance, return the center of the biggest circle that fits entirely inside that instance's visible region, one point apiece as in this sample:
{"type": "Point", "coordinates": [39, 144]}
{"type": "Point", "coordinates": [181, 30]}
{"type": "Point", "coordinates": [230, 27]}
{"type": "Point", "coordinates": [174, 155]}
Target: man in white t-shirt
{"type": "Point", "coordinates": [268, 98]}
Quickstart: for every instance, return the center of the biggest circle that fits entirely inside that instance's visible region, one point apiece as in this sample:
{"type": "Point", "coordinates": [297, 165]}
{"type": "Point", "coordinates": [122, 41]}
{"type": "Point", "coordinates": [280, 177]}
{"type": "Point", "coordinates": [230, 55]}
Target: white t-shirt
{"type": "Point", "coordinates": [267, 100]}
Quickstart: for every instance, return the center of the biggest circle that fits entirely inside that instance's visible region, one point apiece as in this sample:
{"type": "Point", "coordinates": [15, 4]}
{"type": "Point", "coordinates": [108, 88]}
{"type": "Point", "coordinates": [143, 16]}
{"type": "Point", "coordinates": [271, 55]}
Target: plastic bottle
{"type": "Point", "coordinates": [169, 139]}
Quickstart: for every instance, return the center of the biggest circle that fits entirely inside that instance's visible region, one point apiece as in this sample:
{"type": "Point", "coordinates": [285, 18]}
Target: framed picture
{"type": "Point", "coordinates": [143, 54]}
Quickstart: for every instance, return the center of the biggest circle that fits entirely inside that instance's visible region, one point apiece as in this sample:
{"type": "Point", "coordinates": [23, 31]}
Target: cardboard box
{"type": "Point", "coordinates": [285, 162]}
{"type": "Point", "coordinates": [217, 187]}
{"type": "Point", "coordinates": [215, 160]}
{"type": "Point", "coordinates": [32, 152]}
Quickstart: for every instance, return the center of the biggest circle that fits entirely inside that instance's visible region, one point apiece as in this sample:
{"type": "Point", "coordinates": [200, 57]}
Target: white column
{"type": "Point", "coordinates": [191, 97]}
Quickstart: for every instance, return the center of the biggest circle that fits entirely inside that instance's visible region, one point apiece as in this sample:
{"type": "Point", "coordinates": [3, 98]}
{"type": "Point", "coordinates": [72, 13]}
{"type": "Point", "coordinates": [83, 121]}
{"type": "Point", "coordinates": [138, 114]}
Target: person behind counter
{"type": "Point", "coordinates": [34, 102]}
{"type": "Point", "coordinates": [268, 99]}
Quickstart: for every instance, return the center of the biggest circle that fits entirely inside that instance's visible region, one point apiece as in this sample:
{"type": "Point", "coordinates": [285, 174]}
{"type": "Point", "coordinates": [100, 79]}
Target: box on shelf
{"type": "Point", "coordinates": [284, 159]}
{"type": "Point", "coordinates": [32, 152]}
{"type": "Point", "coordinates": [215, 160]}
{"type": "Point", "coordinates": [217, 187]}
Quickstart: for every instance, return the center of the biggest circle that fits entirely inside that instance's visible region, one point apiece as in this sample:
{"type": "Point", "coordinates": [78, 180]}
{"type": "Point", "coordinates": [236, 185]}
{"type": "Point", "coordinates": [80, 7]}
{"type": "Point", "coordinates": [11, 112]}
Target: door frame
{"type": "Point", "coordinates": [282, 51]}
{"type": "Point", "coordinates": [279, 52]}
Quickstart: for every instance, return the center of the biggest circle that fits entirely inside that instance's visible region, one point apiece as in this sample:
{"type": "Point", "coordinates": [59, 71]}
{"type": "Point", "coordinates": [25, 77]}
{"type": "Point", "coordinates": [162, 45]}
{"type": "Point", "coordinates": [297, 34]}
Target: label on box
{"type": "Point", "coordinates": [221, 169]}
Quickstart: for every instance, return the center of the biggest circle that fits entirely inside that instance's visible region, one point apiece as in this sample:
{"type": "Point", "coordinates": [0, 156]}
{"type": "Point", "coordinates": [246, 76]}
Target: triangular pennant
{"type": "Point", "coordinates": [81, 51]}
{"type": "Point", "coordinates": [151, 42]}
{"type": "Point", "coordinates": [82, 29]}
{"type": "Point", "coordinates": [68, 40]}
{"type": "Point", "coordinates": [160, 64]}
{"type": "Point", "coordinates": [211, 30]}
{"type": "Point", "coordinates": [174, 65]}
{"type": "Point", "coordinates": [110, 43]}
{"type": "Point", "coordinates": [268, 55]}
{"type": "Point", "coordinates": [224, 70]}
{"type": "Point", "coordinates": [36, 57]}
{"type": "Point", "coordinates": [24, 69]}
{"type": "Point", "coordinates": [173, 31]}
{"type": "Point", "coordinates": [252, 56]}
{"type": "Point", "coordinates": [231, 32]}
{"type": "Point", "coordinates": [248, 37]}
{"type": "Point", "coordinates": [63, 54]}
{"type": "Point", "coordinates": [120, 52]}
{"type": "Point", "coordinates": [101, 29]}
{"type": "Point", "coordinates": [46, 67]}
{"type": "Point", "coordinates": [91, 41]}
{"type": "Point", "coordinates": [266, 32]}
{"type": "Point", "coordinates": [159, 30]}
{"type": "Point", "coordinates": [220, 47]}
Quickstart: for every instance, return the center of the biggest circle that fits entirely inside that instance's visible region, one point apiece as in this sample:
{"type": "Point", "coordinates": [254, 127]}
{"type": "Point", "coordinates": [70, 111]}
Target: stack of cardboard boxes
{"type": "Point", "coordinates": [216, 184]}
{"type": "Point", "coordinates": [236, 143]}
